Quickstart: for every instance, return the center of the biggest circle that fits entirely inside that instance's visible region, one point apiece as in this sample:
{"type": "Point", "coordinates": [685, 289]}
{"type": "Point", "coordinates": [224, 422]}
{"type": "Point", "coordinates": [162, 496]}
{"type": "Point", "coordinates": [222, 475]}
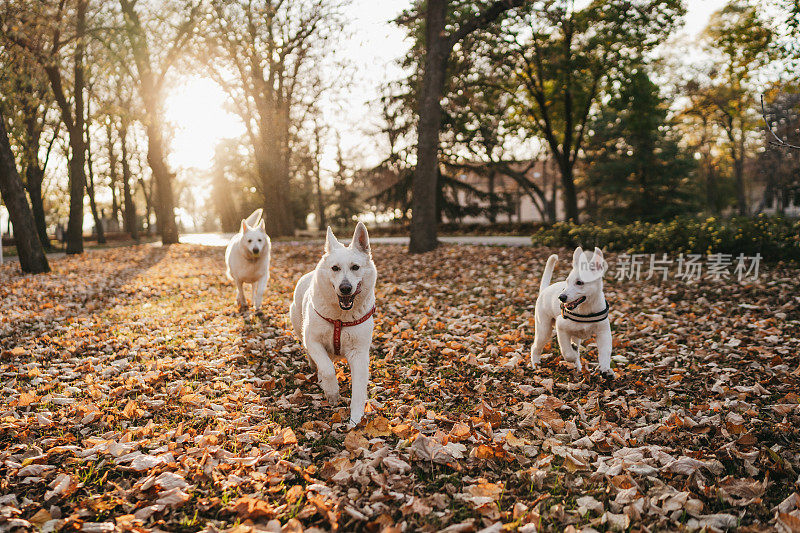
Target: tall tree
{"type": "Point", "coordinates": [90, 182]}
{"type": "Point", "coordinates": [697, 121]}
{"type": "Point", "coordinates": [31, 253]}
{"type": "Point", "coordinates": [438, 46]}
{"type": "Point", "coordinates": [267, 53]}
{"type": "Point", "coordinates": [322, 221]}
{"type": "Point", "coordinates": [27, 101]}
{"type": "Point", "coordinates": [226, 161]}
{"type": "Point", "coordinates": [741, 43]}
{"type": "Point", "coordinates": [129, 219]}
{"type": "Point", "coordinates": [156, 48]}
{"type": "Point", "coordinates": [556, 61]}
{"type": "Point", "coordinates": [39, 29]}
{"type": "Point", "coordinates": [639, 171]}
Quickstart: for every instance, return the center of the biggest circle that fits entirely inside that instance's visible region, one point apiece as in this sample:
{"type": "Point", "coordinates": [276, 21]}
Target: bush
{"type": "Point", "coordinates": [775, 238]}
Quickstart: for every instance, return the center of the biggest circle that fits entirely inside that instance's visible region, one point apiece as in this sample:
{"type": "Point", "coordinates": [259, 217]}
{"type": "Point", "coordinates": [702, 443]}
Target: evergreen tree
{"type": "Point", "coordinates": [637, 170]}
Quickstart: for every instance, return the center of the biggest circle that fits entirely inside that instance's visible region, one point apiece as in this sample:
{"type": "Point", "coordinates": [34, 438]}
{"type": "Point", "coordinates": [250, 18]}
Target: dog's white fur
{"type": "Point", "coordinates": [247, 258]}
{"type": "Point", "coordinates": [571, 333]}
{"type": "Point", "coordinates": [320, 292]}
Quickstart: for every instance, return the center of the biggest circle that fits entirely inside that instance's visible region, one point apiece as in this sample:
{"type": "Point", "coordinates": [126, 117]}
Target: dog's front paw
{"type": "Point", "coordinates": [608, 373]}
{"type": "Point", "coordinates": [333, 399]}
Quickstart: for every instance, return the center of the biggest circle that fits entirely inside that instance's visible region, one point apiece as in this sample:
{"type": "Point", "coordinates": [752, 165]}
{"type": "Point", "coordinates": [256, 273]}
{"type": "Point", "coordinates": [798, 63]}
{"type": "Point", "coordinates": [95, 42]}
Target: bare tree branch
{"type": "Point", "coordinates": [778, 141]}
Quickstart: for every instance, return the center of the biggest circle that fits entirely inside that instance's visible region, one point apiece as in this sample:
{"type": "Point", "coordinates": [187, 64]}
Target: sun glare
{"type": "Point", "coordinates": [195, 109]}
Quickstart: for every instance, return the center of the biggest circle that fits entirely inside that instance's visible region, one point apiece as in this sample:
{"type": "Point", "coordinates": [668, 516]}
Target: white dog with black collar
{"type": "Point", "coordinates": [577, 308]}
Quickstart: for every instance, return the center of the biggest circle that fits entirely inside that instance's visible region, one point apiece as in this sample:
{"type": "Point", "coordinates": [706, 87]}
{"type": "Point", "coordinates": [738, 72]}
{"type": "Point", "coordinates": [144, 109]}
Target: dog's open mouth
{"type": "Point", "coordinates": [575, 303]}
{"type": "Point", "coordinates": [346, 301]}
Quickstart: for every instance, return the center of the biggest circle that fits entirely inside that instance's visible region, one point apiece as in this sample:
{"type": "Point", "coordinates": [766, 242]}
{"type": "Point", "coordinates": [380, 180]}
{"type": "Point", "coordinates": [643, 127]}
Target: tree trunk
{"type": "Point", "coordinates": [164, 201]}
{"type": "Point", "coordinates": [33, 183]}
{"type": "Point", "coordinates": [74, 124]}
{"type": "Point", "coordinates": [569, 191]}
{"type": "Point", "coordinates": [98, 221]}
{"type": "Point", "coordinates": [33, 171]}
{"type": "Point", "coordinates": [552, 211]}
{"type": "Point", "coordinates": [113, 178]}
{"type": "Point", "coordinates": [150, 91]}
{"type": "Point", "coordinates": [492, 200]}
{"type": "Point", "coordinates": [148, 202]}
{"type": "Point", "coordinates": [223, 201]}
{"type": "Point", "coordinates": [77, 184]}
{"type": "Point", "coordinates": [712, 199]}
{"type": "Point", "coordinates": [272, 170]}
{"type": "Point", "coordinates": [278, 218]}
{"type": "Point", "coordinates": [322, 222]}
{"type": "Point", "coordinates": [424, 184]}
{"type": "Point", "coordinates": [738, 169]}
{"type": "Point", "coordinates": [741, 198]}
{"type": "Point", "coordinates": [29, 248]}
{"type": "Point", "coordinates": [129, 215]}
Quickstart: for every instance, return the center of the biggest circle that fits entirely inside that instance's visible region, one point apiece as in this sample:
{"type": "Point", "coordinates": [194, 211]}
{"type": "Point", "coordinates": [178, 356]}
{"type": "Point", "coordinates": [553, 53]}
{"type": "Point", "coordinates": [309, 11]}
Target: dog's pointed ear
{"type": "Point", "coordinates": [598, 261]}
{"type": "Point", "coordinates": [262, 225]}
{"type": "Point", "coordinates": [331, 242]}
{"type": "Point", "coordinates": [361, 238]}
{"type": "Point", "coordinates": [254, 217]}
{"type": "Point", "coordinates": [244, 227]}
{"type": "Point", "coordinates": [577, 256]}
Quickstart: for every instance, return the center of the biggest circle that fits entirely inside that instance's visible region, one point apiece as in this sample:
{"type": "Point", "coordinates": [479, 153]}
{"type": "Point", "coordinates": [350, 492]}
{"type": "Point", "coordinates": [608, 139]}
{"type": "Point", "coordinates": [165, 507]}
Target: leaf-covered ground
{"type": "Point", "coordinates": [135, 396]}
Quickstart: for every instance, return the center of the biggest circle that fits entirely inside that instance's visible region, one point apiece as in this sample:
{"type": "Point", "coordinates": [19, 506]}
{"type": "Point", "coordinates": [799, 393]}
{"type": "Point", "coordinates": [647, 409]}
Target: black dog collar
{"type": "Point", "coordinates": [591, 317]}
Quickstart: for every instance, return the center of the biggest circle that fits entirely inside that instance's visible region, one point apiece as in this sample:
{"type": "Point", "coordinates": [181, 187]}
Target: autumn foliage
{"type": "Point", "coordinates": [136, 397]}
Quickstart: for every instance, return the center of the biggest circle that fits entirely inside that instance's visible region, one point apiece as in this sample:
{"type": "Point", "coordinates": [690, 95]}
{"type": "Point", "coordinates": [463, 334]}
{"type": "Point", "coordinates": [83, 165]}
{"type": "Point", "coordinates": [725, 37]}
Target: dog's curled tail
{"type": "Point", "coordinates": [548, 272]}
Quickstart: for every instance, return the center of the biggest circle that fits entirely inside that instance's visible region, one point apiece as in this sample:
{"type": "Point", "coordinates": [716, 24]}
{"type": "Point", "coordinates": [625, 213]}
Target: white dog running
{"type": "Point", "coordinates": [577, 308]}
{"type": "Point", "coordinates": [332, 315]}
{"type": "Point", "coordinates": [247, 258]}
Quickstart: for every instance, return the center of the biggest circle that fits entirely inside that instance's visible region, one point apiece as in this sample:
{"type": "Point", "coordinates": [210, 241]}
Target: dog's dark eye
{"type": "Point", "coordinates": [354, 267]}
{"type": "Point", "coordinates": [335, 268]}
{"type": "Point", "coordinates": [249, 240]}
{"type": "Point", "coordinates": [579, 282]}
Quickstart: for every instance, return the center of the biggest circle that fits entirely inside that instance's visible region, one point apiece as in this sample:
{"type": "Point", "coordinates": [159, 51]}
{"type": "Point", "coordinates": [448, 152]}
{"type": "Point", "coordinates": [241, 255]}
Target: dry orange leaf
{"type": "Point", "coordinates": [25, 399]}
{"type": "Point", "coordinates": [378, 427]}
{"type": "Point", "coordinates": [285, 437]}
{"type": "Point", "coordinates": [355, 440]}
{"type": "Point", "coordinates": [460, 431]}
{"type": "Point", "coordinates": [253, 508]}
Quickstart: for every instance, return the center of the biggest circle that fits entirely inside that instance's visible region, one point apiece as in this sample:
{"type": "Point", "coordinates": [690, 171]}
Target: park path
{"type": "Point", "coordinates": [221, 239]}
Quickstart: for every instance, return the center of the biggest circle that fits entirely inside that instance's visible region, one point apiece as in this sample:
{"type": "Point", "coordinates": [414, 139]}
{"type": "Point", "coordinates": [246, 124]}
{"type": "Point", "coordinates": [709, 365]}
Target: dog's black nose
{"type": "Point", "coordinates": [562, 297]}
{"type": "Point", "coordinates": [256, 250]}
{"type": "Point", "coordinates": [345, 288]}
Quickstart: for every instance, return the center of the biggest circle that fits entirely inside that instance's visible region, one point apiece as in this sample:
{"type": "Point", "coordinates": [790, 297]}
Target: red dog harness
{"type": "Point", "coordinates": [338, 325]}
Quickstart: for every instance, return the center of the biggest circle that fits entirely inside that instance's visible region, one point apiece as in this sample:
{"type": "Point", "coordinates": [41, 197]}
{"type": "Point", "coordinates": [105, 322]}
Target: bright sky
{"type": "Point", "coordinates": [375, 45]}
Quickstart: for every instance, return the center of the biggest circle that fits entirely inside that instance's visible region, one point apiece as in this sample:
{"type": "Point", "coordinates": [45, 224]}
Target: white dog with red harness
{"type": "Point", "coordinates": [577, 308]}
{"type": "Point", "coordinates": [332, 314]}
